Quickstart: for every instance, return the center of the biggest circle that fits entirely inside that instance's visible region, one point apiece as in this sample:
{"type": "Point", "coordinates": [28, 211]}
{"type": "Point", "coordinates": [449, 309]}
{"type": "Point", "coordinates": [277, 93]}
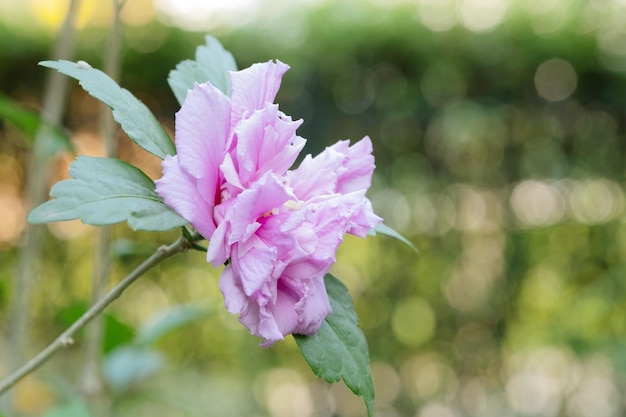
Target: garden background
{"type": "Point", "coordinates": [499, 131]}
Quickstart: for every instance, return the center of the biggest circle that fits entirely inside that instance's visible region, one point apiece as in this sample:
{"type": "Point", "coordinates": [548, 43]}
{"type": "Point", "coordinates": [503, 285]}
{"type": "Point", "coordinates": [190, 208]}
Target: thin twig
{"type": "Point", "coordinates": [65, 339]}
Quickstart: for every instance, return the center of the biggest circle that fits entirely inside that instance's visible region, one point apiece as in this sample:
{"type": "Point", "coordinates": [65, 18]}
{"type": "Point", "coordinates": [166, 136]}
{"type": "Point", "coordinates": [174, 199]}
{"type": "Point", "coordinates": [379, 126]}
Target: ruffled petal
{"type": "Point", "coordinates": [253, 313]}
{"type": "Point", "coordinates": [202, 129]}
{"type": "Point", "coordinates": [180, 191]}
{"type": "Point", "coordinates": [253, 204]}
{"type": "Point", "coordinates": [313, 307]}
{"type": "Point", "coordinates": [254, 86]}
{"type": "Point", "coordinates": [316, 176]}
{"type": "Point", "coordinates": [266, 142]}
{"type": "Point", "coordinates": [234, 298]}
{"type": "Point", "coordinates": [290, 233]}
{"type": "Point", "coordinates": [255, 270]}
{"type": "Point", "coordinates": [218, 251]}
{"type": "Point", "coordinates": [363, 220]}
{"type": "Point", "coordinates": [358, 167]}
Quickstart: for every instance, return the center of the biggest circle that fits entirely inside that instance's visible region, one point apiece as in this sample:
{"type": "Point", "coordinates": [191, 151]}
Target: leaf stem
{"type": "Point", "coordinates": [65, 339]}
{"type": "Point", "coordinates": [193, 238]}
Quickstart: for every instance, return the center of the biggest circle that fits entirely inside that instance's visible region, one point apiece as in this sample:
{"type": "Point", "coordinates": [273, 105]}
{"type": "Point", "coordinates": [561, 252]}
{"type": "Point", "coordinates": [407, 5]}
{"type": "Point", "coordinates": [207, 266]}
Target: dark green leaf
{"type": "Point", "coordinates": [169, 320]}
{"type": "Point", "coordinates": [134, 117]}
{"type": "Point", "coordinates": [212, 64]}
{"type": "Point", "coordinates": [386, 230]}
{"type": "Point", "coordinates": [339, 350]}
{"type": "Point", "coordinates": [105, 191]}
{"type": "Point", "coordinates": [116, 333]}
{"type": "Point", "coordinates": [29, 123]}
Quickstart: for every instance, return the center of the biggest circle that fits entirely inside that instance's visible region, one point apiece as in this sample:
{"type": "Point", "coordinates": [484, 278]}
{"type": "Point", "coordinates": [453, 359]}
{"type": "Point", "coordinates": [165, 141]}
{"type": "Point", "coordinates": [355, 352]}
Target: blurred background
{"type": "Point", "coordinates": [499, 135]}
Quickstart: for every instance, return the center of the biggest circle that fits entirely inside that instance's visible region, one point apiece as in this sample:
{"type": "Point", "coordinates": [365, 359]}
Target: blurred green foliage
{"type": "Point", "coordinates": [500, 154]}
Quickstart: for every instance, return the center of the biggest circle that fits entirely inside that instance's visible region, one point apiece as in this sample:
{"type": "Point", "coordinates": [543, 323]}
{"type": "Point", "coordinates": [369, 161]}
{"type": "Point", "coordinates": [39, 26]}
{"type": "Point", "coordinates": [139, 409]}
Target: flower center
{"type": "Point", "coordinates": [290, 205]}
{"type": "Point", "coordinates": [271, 212]}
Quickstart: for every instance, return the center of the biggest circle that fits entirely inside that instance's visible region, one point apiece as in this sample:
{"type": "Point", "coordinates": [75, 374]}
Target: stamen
{"type": "Point", "coordinates": [292, 205]}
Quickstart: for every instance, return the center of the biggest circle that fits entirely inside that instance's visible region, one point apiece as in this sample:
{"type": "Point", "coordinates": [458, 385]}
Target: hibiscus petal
{"type": "Point", "coordinates": [235, 299]}
{"type": "Point", "coordinates": [279, 153]}
{"type": "Point", "coordinates": [253, 313]}
{"type": "Point", "coordinates": [266, 141]}
{"type": "Point", "coordinates": [330, 226]}
{"type": "Point", "coordinates": [254, 86]}
{"type": "Point", "coordinates": [288, 232]}
{"type": "Point", "coordinates": [357, 167]}
{"type": "Point", "coordinates": [264, 325]}
{"type": "Point", "coordinates": [202, 129]}
{"type": "Point", "coordinates": [179, 191]}
{"type": "Point", "coordinates": [219, 250]}
{"type": "Point", "coordinates": [316, 176]}
{"type": "Point", "coordinates": [363, 220]}
{"type": "Point", "coordinates": [313, 307]}
{"type": "Point", "coordinates": [284, 314]}
{"type": "Point", "coordinates": [252, 204]}
{"type": "Point", "coordinates": [255, 270]}
{"type": "Point", "coordinates": [231, 175]}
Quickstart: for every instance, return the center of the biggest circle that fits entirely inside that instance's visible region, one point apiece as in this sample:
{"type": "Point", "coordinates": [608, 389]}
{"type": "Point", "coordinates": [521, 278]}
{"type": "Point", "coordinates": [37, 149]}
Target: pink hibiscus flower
{"type": "Point", "coordinates": [280, 229]}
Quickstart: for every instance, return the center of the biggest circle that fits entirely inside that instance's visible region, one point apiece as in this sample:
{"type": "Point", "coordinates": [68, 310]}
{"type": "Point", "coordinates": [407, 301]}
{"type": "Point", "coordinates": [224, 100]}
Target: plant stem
{"type": "Point", "coordinates": [65, 339]}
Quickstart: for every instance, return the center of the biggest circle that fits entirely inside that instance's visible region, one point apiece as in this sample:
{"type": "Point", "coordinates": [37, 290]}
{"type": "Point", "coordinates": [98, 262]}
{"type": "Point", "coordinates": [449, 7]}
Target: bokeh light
{"type": "Point", "coordinates": [482, 15]}
{"type": "Point", "coordinates": [555, 80]}
{"type": "Point", "coordinates": [537, 203]}
{"type": "Point", "coordinates": [413, 321]}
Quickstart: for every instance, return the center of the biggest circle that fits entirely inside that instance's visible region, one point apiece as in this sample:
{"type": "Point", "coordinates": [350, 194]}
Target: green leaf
{"type": "Point", "coordinates": [386, 230]}
{"type": "Point", "coordinates": [169, 320]}
{"type": "Point", "coordinates": [116, 333]}
{"type": "Point", "coordinates": [212, 64]}
{"type": "Point", "coordinates": [339, 350]}
{"type": "Point", "coordinates": [29, 123]}
{"type": "Point", "coordinates": [106, 191]}
{"type": "Point", "coordinates": [134, 117]}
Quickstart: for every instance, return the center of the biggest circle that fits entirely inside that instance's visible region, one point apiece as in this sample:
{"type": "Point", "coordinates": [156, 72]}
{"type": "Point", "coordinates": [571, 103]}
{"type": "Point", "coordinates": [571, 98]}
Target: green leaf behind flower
{"type": "Point", "coordinates": [105, 191]}
{"type": "Point", "coordinates": [386, 230]}
{"type": "Point", "coordinates": [212, 64]}
{"type": "Point", "coordinates": [134, 117]}
{"type": "Point", "coordinates": [339, 349]}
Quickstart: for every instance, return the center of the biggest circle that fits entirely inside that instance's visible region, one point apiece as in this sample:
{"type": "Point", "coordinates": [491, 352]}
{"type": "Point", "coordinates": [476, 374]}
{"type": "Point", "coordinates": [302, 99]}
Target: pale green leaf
{"type": "Point", "coordinates": [169, 320]}
{"type": "Point", "coordinates": [105, 191]}
{"type": "Point", "coordinates": [212, 64]}
{"type": "Point", "coordinates": [339, 349]}
{"type": "Point", "coordinates": [76, 408]}
{"type": "Point", "coordinates": [134, 117]}
{"type": "Point", "coordinates": [129, 365]}
{"type": "Point", "coordinates": [126, 248]}
{"type": "Point", "coordinates": [386, 230]}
